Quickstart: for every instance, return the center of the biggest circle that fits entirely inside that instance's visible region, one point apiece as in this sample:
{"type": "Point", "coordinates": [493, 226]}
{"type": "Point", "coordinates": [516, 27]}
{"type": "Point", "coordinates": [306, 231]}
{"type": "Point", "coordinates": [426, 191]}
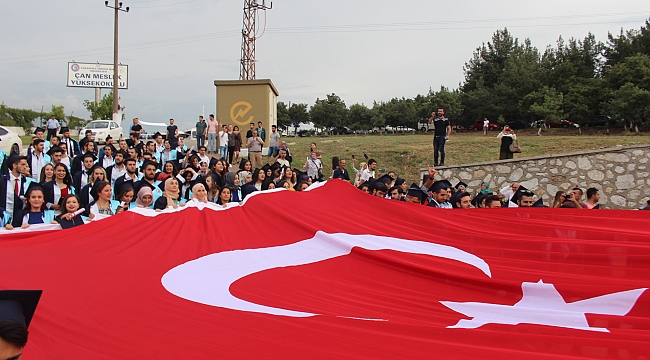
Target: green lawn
{"type": "Point", "coordinates": [406, 154]}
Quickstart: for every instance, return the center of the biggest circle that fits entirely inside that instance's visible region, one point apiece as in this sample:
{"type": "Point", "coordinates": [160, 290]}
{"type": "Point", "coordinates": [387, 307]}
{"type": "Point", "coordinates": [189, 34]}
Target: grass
{"type": "Point", "coordinates": [406, 154]}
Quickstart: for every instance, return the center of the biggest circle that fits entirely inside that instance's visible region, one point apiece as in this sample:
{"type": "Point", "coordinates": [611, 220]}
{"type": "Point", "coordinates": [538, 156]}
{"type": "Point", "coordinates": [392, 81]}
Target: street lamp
{"type": "Point", "coordinates": [118, 8]}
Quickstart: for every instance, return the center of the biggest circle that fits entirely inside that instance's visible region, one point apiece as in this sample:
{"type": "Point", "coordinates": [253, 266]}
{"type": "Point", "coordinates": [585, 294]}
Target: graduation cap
{"type": "Point", "coordinates": [385, 179]}
{"type": "Point", "coordinates": [275, 166]}
{"type": "Point", "coordinates": [125, 186]}
{"type": "Point", "coordinates": [108, 137]}
{"type": "Point", "coordinates": [476, 201]}
{"type": "Point", "coordinates": [417, 192]}
{"type": "Point", "coordinates": [460, 183]}
{"type": "Point", "coordinates": [399, 181]}
{"type": "Point", "coordinates": [38, 129]}
{"type": "Point", "coordinates": [88, 155]}
{"type": "Point", "coordinates": [161, 186]}
{"type": "Point", "coordinates": [140, 184]}
{"type": "Point", "coordinates": [63, 130]}
{"type": "Point", "coordinates": [213, 162]}
{"type": "Point", "coordinates": [19, 305]}
{"type": "Point", "coordinates": [93, 168]}
{"type": "Point", "coordinates": [156, 134]}
{"type": "Point", "coordinates": [54, 149]}
{"type": "Point", "coordinates": [95, 188]}
{"type": "Point", "coordinates": [456, 198]}
{"type": "Point", "coordinates": [36, 186]}
{"type": "Point", "coordinates": [539, 203]}
{"type": "Point", "coordinates": [266, 167]}
{"type": "Point", "coordinates": [440, 184]}
{"type": "Point", "coordinates": [519, 193]}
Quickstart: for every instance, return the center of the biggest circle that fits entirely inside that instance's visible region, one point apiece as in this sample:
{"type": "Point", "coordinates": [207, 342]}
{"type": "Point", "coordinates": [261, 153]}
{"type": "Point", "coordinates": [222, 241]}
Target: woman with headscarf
{"type": "Point", "coordinates": [232, 181]}
{"type": "Point", "coordinates": [144, 198]}
{"type": "Point", "coordinates": [170, 196]}
{"type": "Point", "coordinates": [199, 193]}
{"type": "Point", "coordinates": [485, 188]}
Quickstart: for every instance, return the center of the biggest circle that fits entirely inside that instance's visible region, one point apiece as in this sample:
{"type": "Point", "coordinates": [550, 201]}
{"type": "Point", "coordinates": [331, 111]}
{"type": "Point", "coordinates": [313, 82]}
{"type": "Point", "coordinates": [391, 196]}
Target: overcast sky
{"type": "Point", "coordinates": [359, 49]}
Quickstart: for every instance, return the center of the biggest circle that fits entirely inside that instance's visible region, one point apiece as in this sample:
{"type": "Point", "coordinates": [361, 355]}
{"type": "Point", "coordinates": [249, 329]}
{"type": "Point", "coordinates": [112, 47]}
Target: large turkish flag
{"type": "Point", "coordinates": [334, 273]}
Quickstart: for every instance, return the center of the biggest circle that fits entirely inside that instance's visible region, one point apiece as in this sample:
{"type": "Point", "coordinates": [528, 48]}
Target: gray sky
{"type": "Point", "coordinates": [361, 50]}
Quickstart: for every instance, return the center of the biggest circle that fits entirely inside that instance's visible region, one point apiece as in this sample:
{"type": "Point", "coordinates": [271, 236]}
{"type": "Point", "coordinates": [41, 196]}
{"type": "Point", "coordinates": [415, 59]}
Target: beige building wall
{"type": "Point", "coordinates": [240, 102]}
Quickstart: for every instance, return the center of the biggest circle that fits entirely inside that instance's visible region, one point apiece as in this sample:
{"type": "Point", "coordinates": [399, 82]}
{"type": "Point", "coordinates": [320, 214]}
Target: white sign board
{"type": "Point", "coordinates": [95, 75]}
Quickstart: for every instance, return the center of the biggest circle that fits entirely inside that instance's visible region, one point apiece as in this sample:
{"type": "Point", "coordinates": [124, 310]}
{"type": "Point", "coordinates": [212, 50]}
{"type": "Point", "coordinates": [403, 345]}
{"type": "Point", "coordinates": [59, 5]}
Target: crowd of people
{"type": "Point", "coordinates": [64, 181]}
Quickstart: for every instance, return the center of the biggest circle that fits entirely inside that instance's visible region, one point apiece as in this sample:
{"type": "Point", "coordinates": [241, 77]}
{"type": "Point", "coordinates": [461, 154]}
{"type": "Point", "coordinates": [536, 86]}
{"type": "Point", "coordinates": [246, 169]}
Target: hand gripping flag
{"type": "Point", "coordinates": [334, 273]}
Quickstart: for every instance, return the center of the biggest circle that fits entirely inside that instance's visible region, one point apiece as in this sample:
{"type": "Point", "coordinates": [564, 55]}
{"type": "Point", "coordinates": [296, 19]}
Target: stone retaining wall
{"type": "Point", "coordinates": [622, 174]}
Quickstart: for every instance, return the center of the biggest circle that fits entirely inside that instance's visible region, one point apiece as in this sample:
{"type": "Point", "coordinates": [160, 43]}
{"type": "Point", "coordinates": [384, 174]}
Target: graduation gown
{"type": "Point", "coordinates": [53, 192]}
{"type": "Point", "coordinates": [76, 179]}
{"type": "Point", "coordinates": [15, 217]}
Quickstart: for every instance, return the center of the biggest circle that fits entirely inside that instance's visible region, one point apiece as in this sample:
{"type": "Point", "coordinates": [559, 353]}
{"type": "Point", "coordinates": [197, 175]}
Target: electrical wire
{"type": "Point", "coordinates": [385, 27]}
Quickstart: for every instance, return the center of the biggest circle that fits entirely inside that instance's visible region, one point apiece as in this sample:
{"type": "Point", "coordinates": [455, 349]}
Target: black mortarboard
{"type": "Point", "coordinates": [416, 191]}
{"type": "Point", "coordinates": [460, 183]}
{"type": "Point", "coordinates": [275, 166]}
{"type": "Point", "coordinates": [161, 186]}
{"type": "Point", "coordinates": [440, 184]}
{"type": "Point", "coordinates": [266, 167]}
{"type": "Point", "coordinates": [385, 179]}
{"type": "Point", "coordinates": [19, 305]}
{"type": "Point", "coordinates": [539, 203]}
{"type": "Point", "coordinates": [139, 185]}
{"type": "Point", "coordinates": [36, 186]}
{"type": "Point", "coordinates": [476, 201]}
{"type": "Point", "coordinates": [38, 129]}
{"type": "Point", "coordinates": [156, 134]}
{"type": "Point", "coordinates": [108, 137]}
{"type": "Point", "coordinates": [213, 162]}
{"type": "Point", "coordinates": [399, 181]}
{"type": "Point", "coordinates": [94, 167]}
{"type": "Point", "coordinates": [95, 188]}
{"type": "Point", "coordinates": [88, 155]}
{"type": "Point", "coordinates": [125, 186]}
{"type": "Point", "coordinates": [517, 195]}
{"type": "Point", "coordinates": [63, 130]}
{"type": "Point", "coordinates": [455, 198]}
{"type": "Point", "coordinates": [53, 149]}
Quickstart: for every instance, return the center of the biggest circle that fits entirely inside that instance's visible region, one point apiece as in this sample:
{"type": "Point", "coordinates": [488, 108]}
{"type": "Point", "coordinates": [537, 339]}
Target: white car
{"type": "Point", "coordinates": [101, 129]}
{"type": "Point", "coordinates": [10, 141]}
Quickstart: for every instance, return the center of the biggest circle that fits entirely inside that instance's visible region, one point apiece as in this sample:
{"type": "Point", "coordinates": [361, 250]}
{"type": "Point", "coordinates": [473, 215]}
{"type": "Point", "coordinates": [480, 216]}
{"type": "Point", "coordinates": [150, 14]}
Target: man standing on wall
{"type": "Point", "coordinates": [441, 135]}
{"type": "Point", "coordinates": [52, 126]}
{"type": "Point", "coordinates": [201, 128]}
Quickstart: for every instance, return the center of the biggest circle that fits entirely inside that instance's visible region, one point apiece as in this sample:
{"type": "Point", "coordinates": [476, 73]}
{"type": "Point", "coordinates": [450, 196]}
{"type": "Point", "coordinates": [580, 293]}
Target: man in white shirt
{"type": "Point", "coordinates": [13, 185]}
{"type": "Point", "coordinates": [118, 169]}
{"type": "Point", "coordinates": [370, 171]}
{"type": "Point", "coordinates": [107, 160]}
{"type": "Point", "coordinates": [282, 158]}
{"type": "Point", "coordinates": [202, 156]}
{"type": "Point", "coordinates": [37, 158]}
{"type": "Point", "coordinates": [223, 141]}
{"type": "Point", "coordinates": [52, 126]}
{"type": "Point", "coordinates": [486, 124]}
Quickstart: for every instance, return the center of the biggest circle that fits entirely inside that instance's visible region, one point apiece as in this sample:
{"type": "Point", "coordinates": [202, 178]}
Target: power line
{"type": "Point", "coordinates": [379, 27]}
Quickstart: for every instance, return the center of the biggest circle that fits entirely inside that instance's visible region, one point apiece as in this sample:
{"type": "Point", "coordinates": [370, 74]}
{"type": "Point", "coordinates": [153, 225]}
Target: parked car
{"type": "Point", "coordinates": [459, 128]}
{"type": "Point", "coordinates": [10, 142]}
{"type": "Point", "coordinates": [102, 128]}
{"type": "Point", "coordinates": [341, 130]}
{"type": "Point", "coordinates": [516, 124]}
{"type": "Point", "coordinates": [561, 124]}
{"type": "Point", "coordinates": [425, 126]}
{"type": "Point", "coordinates": [600, 120]}
{"type": "Point", "coordinates": [478, 125]}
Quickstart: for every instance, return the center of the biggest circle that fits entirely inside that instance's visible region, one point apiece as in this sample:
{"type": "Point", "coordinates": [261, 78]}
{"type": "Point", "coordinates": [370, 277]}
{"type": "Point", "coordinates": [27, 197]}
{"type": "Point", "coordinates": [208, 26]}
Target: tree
{"type": "Point", "coordinates": [284, 120]}
{"type": "Point", "coordinates": [75, 122]}
{"type": "Point", "coordinates": [330, 112]}
{"type": "Point", "coordinates": [103, 110]}
{"type": "Point", "coordinates": [634, 69]}
{"type": "Point", "coordinates": [298, 115]}
{"type": "Point", "coordinates": [57, 111]}
{"type": "Point", "coordinates": [631, 103]}
{"type": "Point", "coordinates": [627, 44]}
{"type": "Point", "coordinates": [18, 117]}
{"type": "Point", "coordinates": [360, 117]}
{"type": "Point", "coordinates": [450, 101]}
{"type": "Point", "coordinates": [545, 104]}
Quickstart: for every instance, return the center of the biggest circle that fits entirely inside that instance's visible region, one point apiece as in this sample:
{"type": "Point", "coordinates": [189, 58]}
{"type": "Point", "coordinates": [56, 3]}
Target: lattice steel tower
{"type": "Point", "coordinates": [249, 34]}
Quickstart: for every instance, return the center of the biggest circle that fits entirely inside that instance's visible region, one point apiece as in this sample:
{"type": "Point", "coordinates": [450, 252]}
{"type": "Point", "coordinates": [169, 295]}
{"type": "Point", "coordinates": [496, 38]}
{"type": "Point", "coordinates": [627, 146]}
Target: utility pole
{"type": "Point", "coordinates": [249, 34]}
{"type": "Point", "coordinates": [118, 8]}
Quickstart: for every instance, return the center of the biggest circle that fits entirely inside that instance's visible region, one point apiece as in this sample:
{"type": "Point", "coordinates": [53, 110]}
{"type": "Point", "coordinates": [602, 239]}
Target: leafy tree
{"type": "Point", "coordinates": [450, 101]}
{"type": "Point", "coordinates": [284, 120]}
{"type": "Point", "coordinates": [627, 44]}
{"type": "Point", "coordinates": [75, 122]}
{"type": "Point", "coordinates": [103, 110]}
{"type": "Point", "coordinates": [631, 103]}
{"type": "Point", "coordinates": [634, 69]}
{"type": "Point", "coordinates": [58, 111]}
{"type": "Point", "coordinates": [18, 117]}
{"type": "Point", "coordinates": [298, 114]}
{"type": "Point", "coordinates": [360, 117]}
{"type": "Point", "coordinates": [545, 104]}
{"type": "Point", "coordinates": [329, 112]}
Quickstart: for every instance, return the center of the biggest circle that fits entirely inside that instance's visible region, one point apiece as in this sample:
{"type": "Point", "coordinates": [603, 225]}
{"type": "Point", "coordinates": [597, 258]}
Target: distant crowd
{"type": "Point", "coordinates": [65, 181]}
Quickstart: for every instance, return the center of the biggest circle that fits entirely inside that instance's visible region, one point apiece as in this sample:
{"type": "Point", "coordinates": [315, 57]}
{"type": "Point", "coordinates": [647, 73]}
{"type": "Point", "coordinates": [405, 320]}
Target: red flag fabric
{"type": "Point", "coordinates": [334, 273]}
